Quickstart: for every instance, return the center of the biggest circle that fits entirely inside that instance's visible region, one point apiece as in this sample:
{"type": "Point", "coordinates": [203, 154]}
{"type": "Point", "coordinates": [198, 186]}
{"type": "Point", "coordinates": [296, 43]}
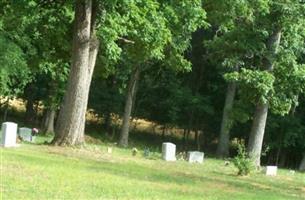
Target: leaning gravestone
{"type": "Point", "coordinates": [271, 170]}
{"type": "Point", "coordinates": [9, 134]}
{"type": "Point", "coordinates": [169, 151]}
{"type": "Point", "coordinates": [195, 156]}
{"type": "Point", "coordinates": [25, 134]}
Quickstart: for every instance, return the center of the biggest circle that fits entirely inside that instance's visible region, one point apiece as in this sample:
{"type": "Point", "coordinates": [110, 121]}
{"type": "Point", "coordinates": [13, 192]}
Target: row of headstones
{"type": "Point", "coordinates": [9, 137]}
{"type": "Point", "coordinates": [169, 154]}
{"type": "Point", "coordinates": [9, 134]}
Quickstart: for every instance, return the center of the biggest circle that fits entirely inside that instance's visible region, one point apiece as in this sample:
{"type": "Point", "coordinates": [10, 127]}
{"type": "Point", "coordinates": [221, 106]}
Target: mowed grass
{"type": "Point", "coordinates": [45, 172]}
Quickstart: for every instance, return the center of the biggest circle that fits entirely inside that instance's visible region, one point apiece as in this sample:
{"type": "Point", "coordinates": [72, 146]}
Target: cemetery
{"type": "Point", "coordinates": [152, 100]}
{"type": "Point", "coordinates": [100, 170]}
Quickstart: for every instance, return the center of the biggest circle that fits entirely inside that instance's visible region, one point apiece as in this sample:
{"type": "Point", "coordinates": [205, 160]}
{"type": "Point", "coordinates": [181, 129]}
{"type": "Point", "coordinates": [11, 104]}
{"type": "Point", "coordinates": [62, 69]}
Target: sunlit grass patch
{"type": "Point", "coordinates": [90, 172]}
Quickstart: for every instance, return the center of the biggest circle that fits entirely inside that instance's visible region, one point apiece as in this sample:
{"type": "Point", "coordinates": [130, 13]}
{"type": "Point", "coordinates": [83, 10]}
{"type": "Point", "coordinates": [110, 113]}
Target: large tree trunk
{"type": "Point", "coordinates": [107, 123]}
{"type": "Point", "coordinates": [257, 133]}
{"type": "Point", "coordinates": [49, 122]}
{"type": "Point", "coordinates": [260, 116]}
{"type": "Point", "coordinates": [224, 138]}
{"type": "Point", "coordinates": [7, 103]}
{"type": "Point", "coordinates": [302, 164]}
{"type": "Point", "coordinates": [71, 120]}
{"type": "Point", "coordinates": [29, 111]}
{"type": "Point", "coordinates": [130, 98]}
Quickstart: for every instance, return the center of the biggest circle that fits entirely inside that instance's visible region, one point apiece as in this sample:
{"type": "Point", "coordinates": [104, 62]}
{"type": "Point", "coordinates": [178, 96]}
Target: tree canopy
{"type": "Point", "coordinates": [215, 70]}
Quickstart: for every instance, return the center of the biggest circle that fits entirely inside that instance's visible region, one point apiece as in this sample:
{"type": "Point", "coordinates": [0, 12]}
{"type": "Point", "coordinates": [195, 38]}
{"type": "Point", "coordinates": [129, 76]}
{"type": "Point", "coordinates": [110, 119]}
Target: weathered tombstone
{"type": "Point", "coordinates": [109, 150]}
{"type": "Point", "coordinates": [9, 134]}
{"type": "Point", "coordinates": [169, 151]}
{"type": "Point", "coordinates": [195, 156]}
{"type": "Point", "coordinates": [25, 134]}
{"type": "Point", "coordinates": [271, 170]}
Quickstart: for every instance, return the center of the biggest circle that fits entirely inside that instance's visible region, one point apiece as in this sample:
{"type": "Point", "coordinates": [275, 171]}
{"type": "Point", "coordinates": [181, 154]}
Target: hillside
{"type": "Point", "coordinates": [34, 171]}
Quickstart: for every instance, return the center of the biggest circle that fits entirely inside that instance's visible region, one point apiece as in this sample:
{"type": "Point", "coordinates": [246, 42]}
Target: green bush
{"type": "Point", "coordinates": [242, 161]}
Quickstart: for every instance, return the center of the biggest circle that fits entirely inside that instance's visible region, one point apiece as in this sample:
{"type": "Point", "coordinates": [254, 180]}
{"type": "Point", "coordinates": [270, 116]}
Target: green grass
{"type": "Point", "coordinates": [45, 172]}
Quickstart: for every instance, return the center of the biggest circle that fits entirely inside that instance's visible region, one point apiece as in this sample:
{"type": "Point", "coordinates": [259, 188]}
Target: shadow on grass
{"type": "Point", "coordinates": [214, 179]}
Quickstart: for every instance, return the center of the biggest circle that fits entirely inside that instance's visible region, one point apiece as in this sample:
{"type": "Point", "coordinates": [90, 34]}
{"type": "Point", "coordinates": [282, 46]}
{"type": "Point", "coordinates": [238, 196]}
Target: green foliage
{"type": "Point", "coordinates": [40, 34]}
{"type": "Point", "coordinates": [260, 83]}
{"type": "Point", "coordinates": [243, 29]}
{"type": "Point", "coordinates": [14, 73]}
{"type": "Point", "coordinates": [242, 161]}
{"type": "Point", "coordinates": [137, 32]}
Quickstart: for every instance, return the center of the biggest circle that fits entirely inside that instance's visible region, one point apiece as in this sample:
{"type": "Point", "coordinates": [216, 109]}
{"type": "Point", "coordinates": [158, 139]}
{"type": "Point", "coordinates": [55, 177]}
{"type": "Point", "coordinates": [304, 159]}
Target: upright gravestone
{"type": "Point", "coordinates": [271, 170]}
{"type": "Point", "coordinates": [169, 151]}
{"type": "Point", "coordinates": [25, 134]}
{"type": "Point", "coordinates": [9, 134]}
{"type": "Point", "coordinates": [195, 156]}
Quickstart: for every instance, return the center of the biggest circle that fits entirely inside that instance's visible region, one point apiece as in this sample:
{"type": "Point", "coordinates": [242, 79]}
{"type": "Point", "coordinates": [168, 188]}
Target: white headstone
{"type": "Point", "coordinates": [169, 151]}
{"type": "Point", "coordinates": [25, 134]}
{"type": "Point", "coordinates": [9, 134]}
{"type": "Point", "coordinates": [271, 170]}
{"type": "Point", "coordinates": [195, 156]}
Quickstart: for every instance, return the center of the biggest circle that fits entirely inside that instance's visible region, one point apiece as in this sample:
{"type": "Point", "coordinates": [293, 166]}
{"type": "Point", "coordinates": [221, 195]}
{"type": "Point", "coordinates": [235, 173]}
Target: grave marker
{"type": "Point", "coordinates": [9, 134]}
{"type": "Point", "coordinates": [195, 156]}
{"type": "Point", "coordinates": [26, 134]}
{"type": "Point", "coordinates": [169, 151]}
{"type": "Point", "coordinates": [271, 170]}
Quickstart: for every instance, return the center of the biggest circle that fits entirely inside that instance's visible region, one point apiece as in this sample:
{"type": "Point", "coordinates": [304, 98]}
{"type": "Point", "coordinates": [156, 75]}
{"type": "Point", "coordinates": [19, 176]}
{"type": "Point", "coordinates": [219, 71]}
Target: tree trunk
{"type": "Point", "coordinates": [257, 133]}
{"type": "Point", "coordinates": [49, 122]}
{"type": "Point", "coordinates": [184, 139]}
{"type": "Point", "coordinates": [71, 120]}
{"type": "Point", "coordinates": [224, 138]}
{"type": "Point", "coordinates": [278, 154]}
{"type": "Point", "coordinates": [302, 165]}
{"type": "Point", "coordinates": [29, 111]}
{"type": "Point", "coordinates": [128, 107]}
{"type": "Point", "coordinates": [260, 116]}
{"type": "Point", "coordinates": [163, 132]}
{"type": "Point", "coordinates": [36, 116]}
{"type": "Point", "coordinates": [197, 138]}
{"type": "Point", "coordinates": [7, 103]}
{"type": "Point", "coordinates": [188, 133]}
{"type": "Point", "coordinates": [107, 123]}
{"type": "Point", "coordinates": [282, 162]}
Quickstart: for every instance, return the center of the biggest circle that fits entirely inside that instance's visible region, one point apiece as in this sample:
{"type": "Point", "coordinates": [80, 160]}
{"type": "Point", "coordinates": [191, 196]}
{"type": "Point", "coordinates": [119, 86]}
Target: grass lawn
{"type": "Point", "coordinates": [44, 172]}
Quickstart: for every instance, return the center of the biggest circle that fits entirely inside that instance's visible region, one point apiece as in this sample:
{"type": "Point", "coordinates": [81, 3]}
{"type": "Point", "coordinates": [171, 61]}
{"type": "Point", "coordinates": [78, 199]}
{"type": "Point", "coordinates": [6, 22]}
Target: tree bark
{"type": "Point", "coordinates": [71, 119]}
{"type": "Point", "coordinates": [260, 116]}
{"type": "Point", "coordinates": [29, 111]}
{"type": "Point", "coordinates": [107, 123]}
{"type": "Point", "coordinates": [7, 103]}
{"type": "Point", "coordinates": [278, 154]}
{"type": "Point", "coordinates": [49, 122]}
{"type": "Point", "coordinates": [130, 98]}
{"type": "Point", "coordinates": [282, 162]}
{"type": "Point", "coordinates": [224, 138]}
{"type": "Point", "coordinates": [302, 164]}
{"type": "Point", "coordinates": [257, 133]}
{"type": "Point", "coordinates": [197, 139]}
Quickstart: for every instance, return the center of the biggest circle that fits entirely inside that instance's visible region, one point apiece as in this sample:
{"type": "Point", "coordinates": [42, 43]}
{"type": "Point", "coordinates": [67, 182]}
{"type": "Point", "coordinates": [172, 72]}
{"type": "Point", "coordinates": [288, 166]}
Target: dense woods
{"type": "Point", "coordinates": [217, 70]}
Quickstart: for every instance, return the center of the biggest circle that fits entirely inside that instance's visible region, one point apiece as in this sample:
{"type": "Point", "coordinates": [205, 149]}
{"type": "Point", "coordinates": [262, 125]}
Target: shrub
{"type": "Point", "coordinates": [242, 161]}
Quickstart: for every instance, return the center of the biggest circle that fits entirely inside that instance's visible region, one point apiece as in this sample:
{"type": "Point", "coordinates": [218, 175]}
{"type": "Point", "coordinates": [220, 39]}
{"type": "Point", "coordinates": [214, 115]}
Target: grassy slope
{"type": "Point", "coordinates": [44, 172]}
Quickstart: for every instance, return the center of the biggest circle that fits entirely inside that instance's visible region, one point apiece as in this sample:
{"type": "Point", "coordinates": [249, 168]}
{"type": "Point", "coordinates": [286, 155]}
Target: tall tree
{"type": "Point", "coordinates": [71, 120]}
{"type": "Point", "coordinates": [278, 35]}
{"type": "Point", "coordinates": [175, 21]}
{"type": "Point", "coordinates": [226, 123]}
{"type": "Point", "coordinates": [260, 116]}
